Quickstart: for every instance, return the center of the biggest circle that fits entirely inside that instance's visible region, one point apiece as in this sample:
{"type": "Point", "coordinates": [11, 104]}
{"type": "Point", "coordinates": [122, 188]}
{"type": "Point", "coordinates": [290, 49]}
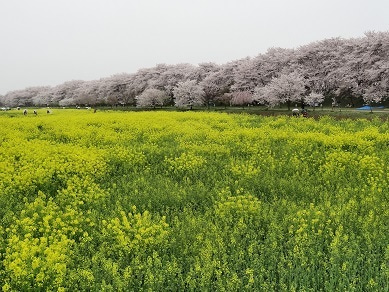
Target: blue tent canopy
{"type": "Point", "coordinates": [367, 107]}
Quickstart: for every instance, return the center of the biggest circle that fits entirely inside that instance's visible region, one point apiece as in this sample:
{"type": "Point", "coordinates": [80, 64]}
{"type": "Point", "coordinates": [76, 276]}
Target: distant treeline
{"type": "Point", "coordinates": [348, 72]}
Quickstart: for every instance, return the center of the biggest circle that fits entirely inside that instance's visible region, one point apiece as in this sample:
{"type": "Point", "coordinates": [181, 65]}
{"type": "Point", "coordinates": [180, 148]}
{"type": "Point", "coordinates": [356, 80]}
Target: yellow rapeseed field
{"type": "Point", "coordinates": [177, 201]}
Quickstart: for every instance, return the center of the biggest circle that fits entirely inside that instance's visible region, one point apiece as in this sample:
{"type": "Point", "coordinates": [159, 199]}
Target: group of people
{"type": "Point", "coordinates": [296, 112]}
{"type": "Point", "coordinates": [25, 112]}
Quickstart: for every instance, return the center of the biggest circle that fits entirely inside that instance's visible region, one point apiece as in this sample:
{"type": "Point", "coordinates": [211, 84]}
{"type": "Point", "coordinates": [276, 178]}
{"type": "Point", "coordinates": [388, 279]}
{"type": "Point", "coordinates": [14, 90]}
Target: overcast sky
{"type": "Point", "coordinates": [48, 42]}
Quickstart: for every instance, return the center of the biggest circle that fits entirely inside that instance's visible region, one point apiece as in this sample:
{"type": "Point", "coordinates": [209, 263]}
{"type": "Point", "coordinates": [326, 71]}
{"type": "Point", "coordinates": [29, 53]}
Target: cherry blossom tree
{"type": "Point", "coordinates": [246, 76]}
{"type": "Point", "coordinates": [205, 69]}
{"type": "Point", "coordinates": [259, 71]}
{"type": "Point", "coordinates": [151, 98]}
{"type": "Point", "coordinates": [376, 70]}
{"type": "Point", "coordinates": [67, 102]}
{"type": "Point", "coordinates": [215, 85]}
{"type": "Point", "coordinates": [66, 91]}
{"type": "Point", "coordinates": [188, 94]}
{"type": "Point", "coordinates": [375, 94]}
{"type": "Point", "coordinates": [24, 97]}
{"type": "Point", "coordinates": [362, 65]}
{"type": "Point", "coordinates": [172, 75]}
{"type": "Point", "coordinates": [274, 62]}
{"type": "Point", "coordinates": [314, 99]}
{"type": "Point", "coordinates": [88, 94]}
{"type": "Point", "coordinates": [266, 95]}
{"type": "Point", "coordinates": [119, 89]}
{"type": "Point", "coordinates": [319, 64]}
{"type": "Point", "coordinates": [242, 98]}
{"type": "Point", "coordinates": [287, 88]}
{"type": "Point", "coordinates": [225, 77]}
{"type": "Point", "coordinates": [43, 97]}
{"type": "Point", "coordinates": [11, 98]}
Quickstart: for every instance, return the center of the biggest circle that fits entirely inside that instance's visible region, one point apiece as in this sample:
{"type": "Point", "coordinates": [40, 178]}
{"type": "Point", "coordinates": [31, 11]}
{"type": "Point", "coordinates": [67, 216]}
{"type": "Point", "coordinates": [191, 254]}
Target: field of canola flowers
{"type": "Point", "coordinates": [183, 201]}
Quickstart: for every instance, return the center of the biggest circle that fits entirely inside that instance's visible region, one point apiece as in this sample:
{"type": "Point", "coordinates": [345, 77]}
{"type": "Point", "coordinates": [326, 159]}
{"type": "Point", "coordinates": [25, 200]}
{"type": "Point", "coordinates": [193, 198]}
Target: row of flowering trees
{"type": "Point", "coordinates": [284, 89]}
{"type": "Point", "coordinates": [346, 71]}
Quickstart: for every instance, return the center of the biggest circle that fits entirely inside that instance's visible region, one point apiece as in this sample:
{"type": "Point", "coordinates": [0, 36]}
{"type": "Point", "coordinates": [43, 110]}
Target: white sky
{"type": "Point", "coordinates": [48, 42]}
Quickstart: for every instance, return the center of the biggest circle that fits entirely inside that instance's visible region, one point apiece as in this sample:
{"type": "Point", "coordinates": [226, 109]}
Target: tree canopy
{"type": "Point", "coordinates": [349, 71]}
